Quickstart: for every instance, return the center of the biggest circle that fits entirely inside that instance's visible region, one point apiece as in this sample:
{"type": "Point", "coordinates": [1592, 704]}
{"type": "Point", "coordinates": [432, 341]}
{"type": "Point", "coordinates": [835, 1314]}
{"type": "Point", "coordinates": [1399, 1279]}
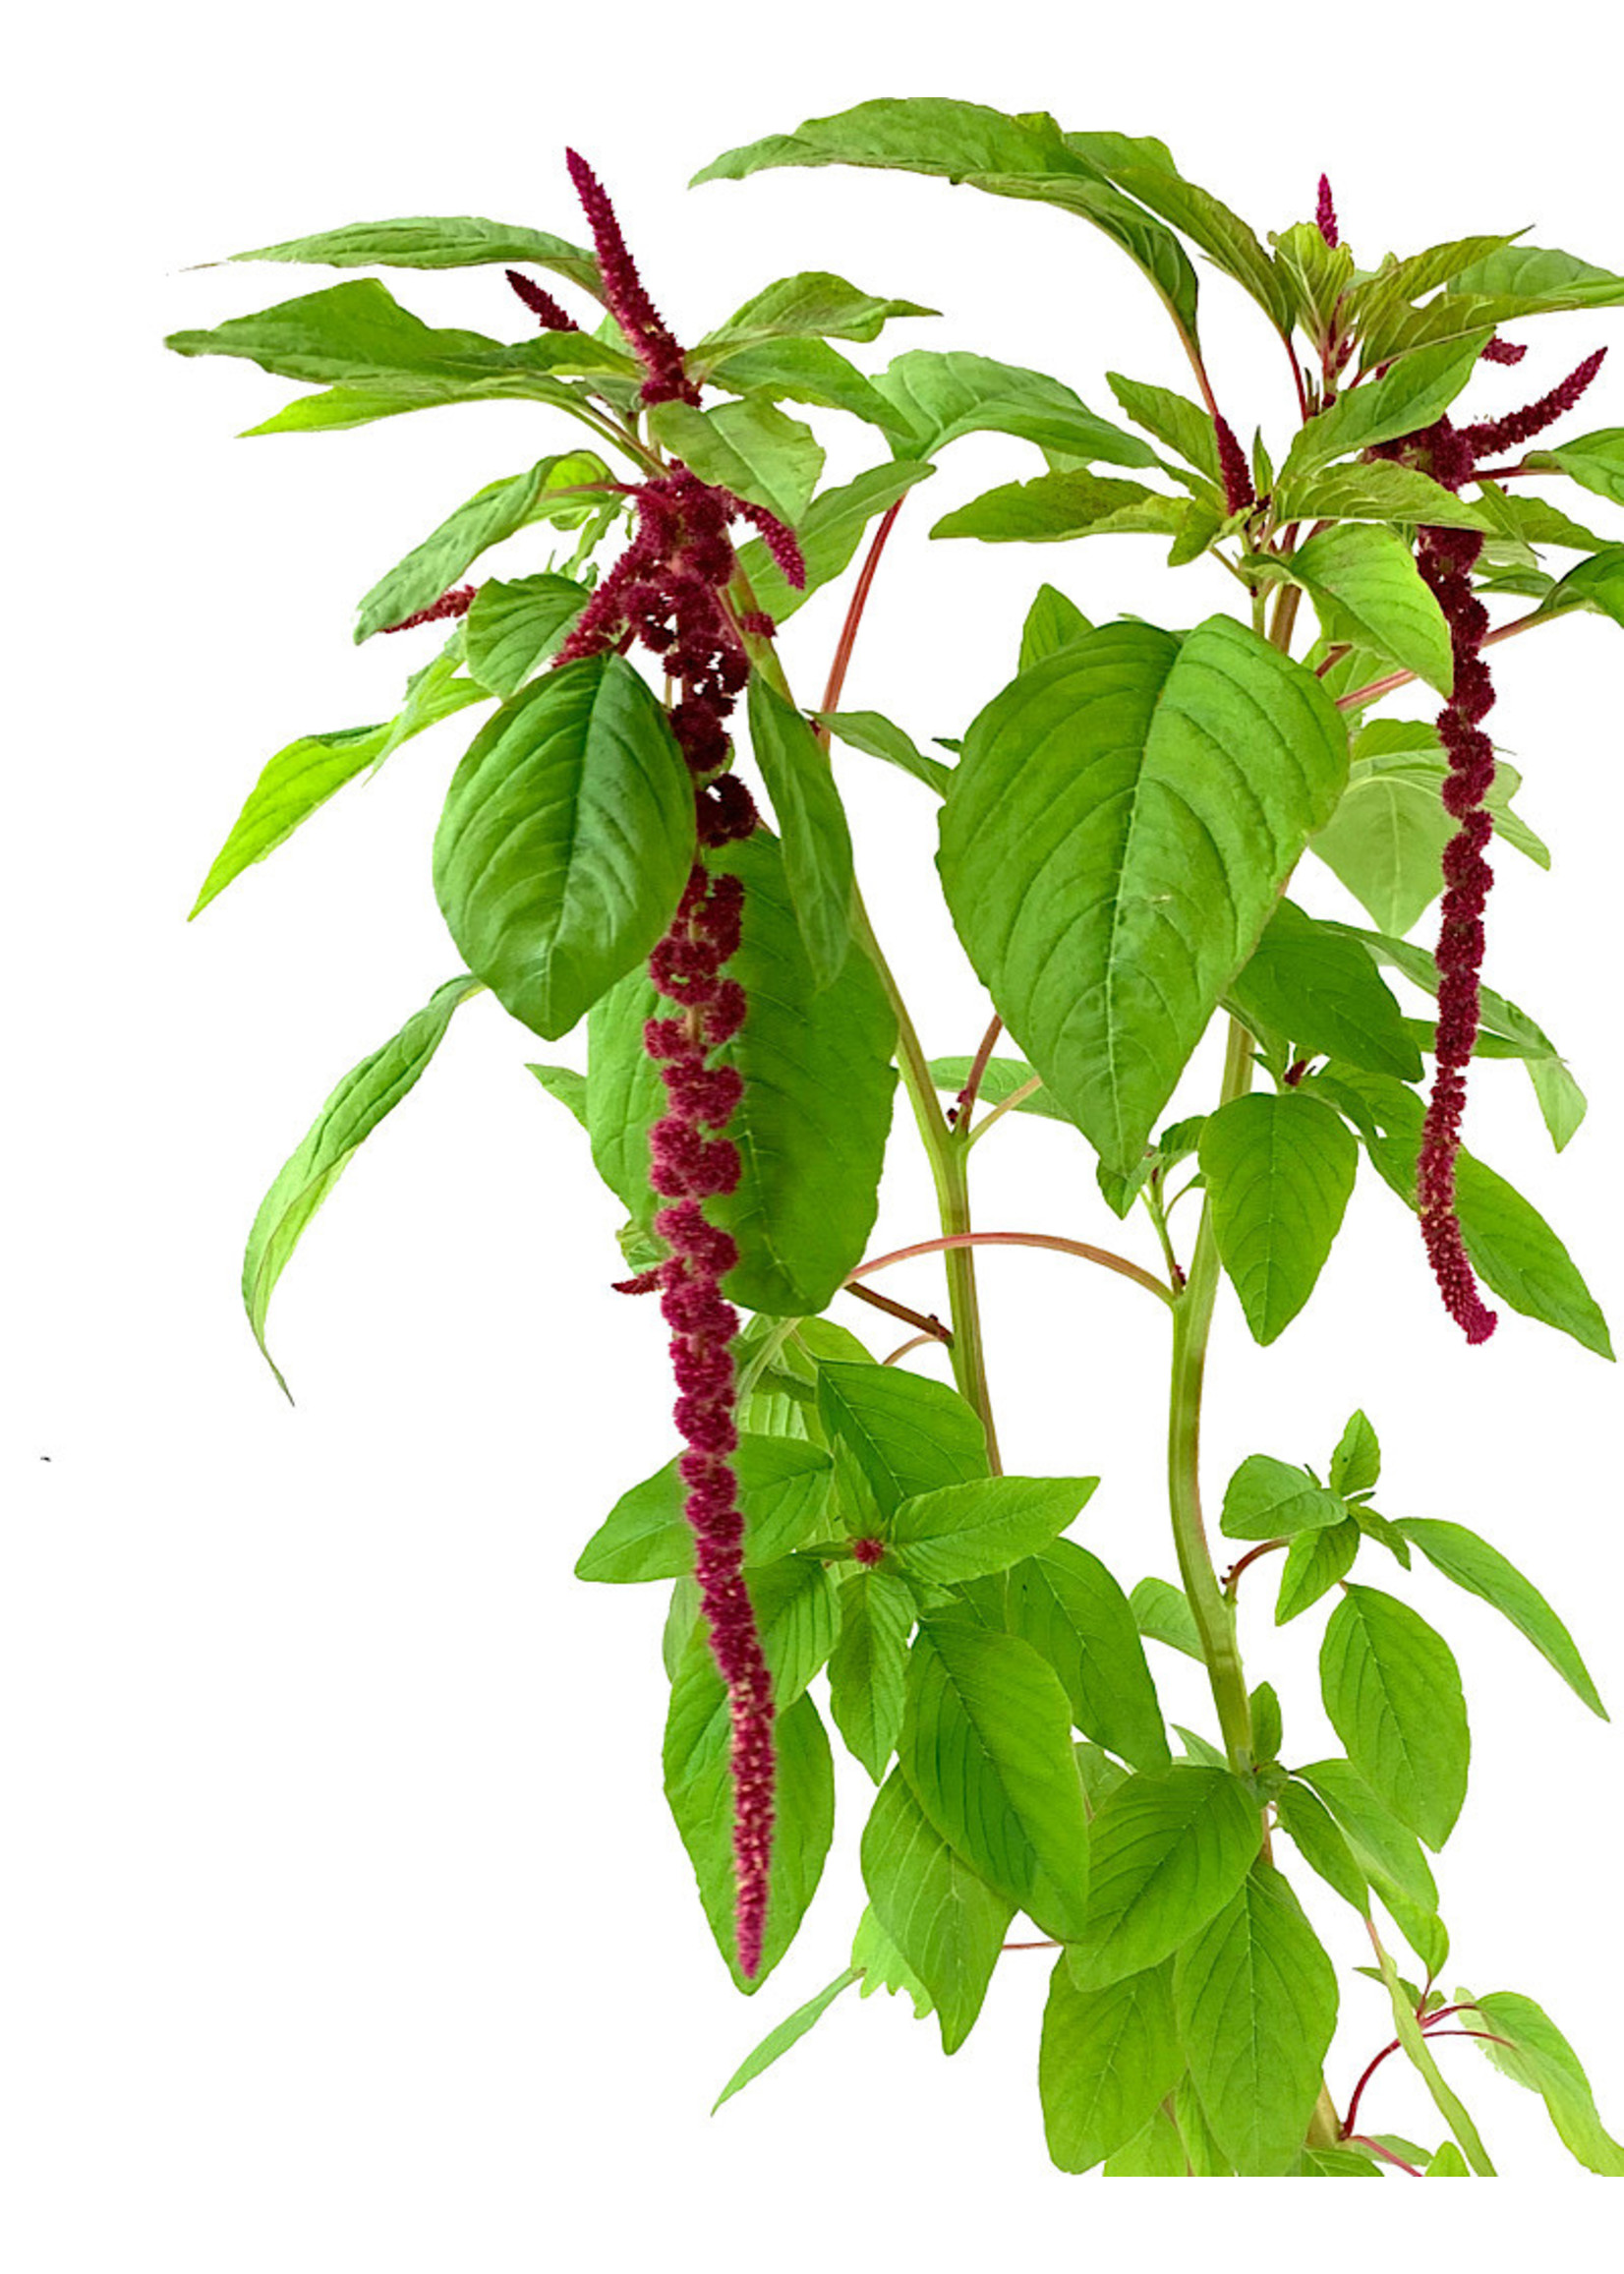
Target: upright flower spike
{"type": "Point", "coordinates": [647, 333]}
{"type": "Point", "coordinates": [667, 592]}
{"type": "Point", "coordinates": [1446, 558]}
{"type": "Point", "coordinates": [1325, 216]}
{"type": "Point", "coordinates": [1232, 464]}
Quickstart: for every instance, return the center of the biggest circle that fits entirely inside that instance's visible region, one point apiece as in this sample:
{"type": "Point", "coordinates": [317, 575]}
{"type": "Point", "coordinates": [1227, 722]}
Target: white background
{"type": "Point", "coordinates": [341, 1922]}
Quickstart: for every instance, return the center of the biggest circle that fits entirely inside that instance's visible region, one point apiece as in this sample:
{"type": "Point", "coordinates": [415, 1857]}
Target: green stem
{"type": "Point", "coordinates": [1191, 1326]}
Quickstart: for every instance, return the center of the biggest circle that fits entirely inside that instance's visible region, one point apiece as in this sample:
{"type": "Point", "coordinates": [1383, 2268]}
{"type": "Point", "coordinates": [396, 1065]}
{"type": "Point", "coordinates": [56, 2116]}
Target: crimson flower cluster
{"type": "Point", "coordinates": [667, 592]}
{"type": "Point", "coordinates": [1446, 558]}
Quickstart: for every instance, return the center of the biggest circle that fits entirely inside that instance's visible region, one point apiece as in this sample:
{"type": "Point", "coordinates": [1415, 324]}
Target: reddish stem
{"type": "Point", "coordinates": [978, 1069]}
{"type": "Point", "coordinates": [929, 1326]}
{"type": "Point", "coordinates": [915, 1342]}
{"type": "Point", "coordinates": [1364, 2139]}
{"type": "Point", "coordinates": [1233, 1576]}
{"type": "Point", "coordinates": [1102, 1255]}
{"type": "Point", "coordinates": [835, 686]}
{"type": "Point", "coordinates": [1487, 2035]}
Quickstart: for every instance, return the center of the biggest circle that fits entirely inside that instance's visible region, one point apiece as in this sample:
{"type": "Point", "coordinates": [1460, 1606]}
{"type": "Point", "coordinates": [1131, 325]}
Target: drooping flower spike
{"type": "Point", "coordinates": [441, 610]}
{"type": "Point", "coordinates": [667, 592]}
{"type": "Point", "coordinates": [1446, 558]}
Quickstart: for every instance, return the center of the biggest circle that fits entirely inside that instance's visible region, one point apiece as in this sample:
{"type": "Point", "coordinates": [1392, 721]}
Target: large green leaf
{"type": "Point", "coordinates": [1279, 1171]}
{"type": "Point", "coordinates": [1484, 1571]}
{"type": "Point", "coordinates": [1269, 1499]}
{"type": "Point", "coordinates": [1107, 2060]}
{"type": "Point", "coordinates": [1542, 277]}
{"type": "Point", "coordinates": [1392, 1692]}
{"type": "Point", "coordinates": [907, 1434]}
{"type": "Point", "coordinates": [445, 241]}
{"type": "Point", "coordinates": [1173, 418]}
{"type": "Point", "coordinates": [1114, 842]}
{"type": "Point", "coordinates": [963, 1531]}
{"type": "Point", "coordinates": [1311, 983]}
{"type": "Point", "coordinates": [1368, 592]}
{"type": "Point", "coordinates": [986, 1749]}
{"type": "Point", "coordinates": [1536, 2054]}
{"type": "Point", "coordinates": [494, 514]}
{"type": "Point", "coordinates": [1417, 391]}
{"type": "Point", "coordinates": [946, 1921]}
{"type": "Point", "coordinates": [698, 1787]}
{"type": "Point", "coordinates": [1225, 240]}
{"type": "Point", "coordinates": [1596, 461]}
{"type": "Point", "coordinates": [829, 532]}
{"type": "Point", "coordinates": [1256, 2003]}
{"type": "Point", "coordinates": [805, 370]}
{"type": "Point", "coordinates": [1167, 1854]}
{"type": "Point", "coordinates": [812, 304]}
{"type": "Point", "coordinates": [511, 628]}
{"type": "Point", "coordinates": [1064, 1603]}
{"type": "Point", "coordinates": [812, 827]}
{"type": "Point", "coordinates": [747, 448]}
{"type": "Point", "coordinates": [358, 335]}
{"type": "Point", "coordinates": [811, 1128]}
{"type": "Point", "coordinates": [566, 839]}
{"type": "Point", "coordinates": [789, 2031]}
{"type": "Point", "coordinates": [1023, 157]}
{"type": "Point", "coordinates": [366, 1094]}
{"type": "Point", "coordinates": [783, 1492]}
{"type": "Point", "coordinates": [1378, 490]}
{"type": "Point", "coordinates": [1385, 1850]}
{"type": "Point", "coordinates": [868, 1670]}
{"type": "Point", "coordinates": [940, 396]}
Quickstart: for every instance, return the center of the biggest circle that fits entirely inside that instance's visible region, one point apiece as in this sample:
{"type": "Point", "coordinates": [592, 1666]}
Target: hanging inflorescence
{"type": "Point", "coordinates": [668, 591]}
{"type": "Point", "coordinates": [1446, 558]}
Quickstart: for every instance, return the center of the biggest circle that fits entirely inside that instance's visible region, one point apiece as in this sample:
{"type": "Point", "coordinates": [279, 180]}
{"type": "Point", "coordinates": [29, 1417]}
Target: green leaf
{"type": "Point", "coordinates": [877, 737]}
{"type": "Point", "coordinates": [782, 1490]}
{"type": "Point", "coordinates": [1204, 219]}
{"type": "Point", "coordinates": [868, 1671]}
{"type": "Point", "coordinates": [1006, 156]}
{"type": "Point", "coordinates": [566, 1085]}
{"type": "Point", "coordinates": [1155, 2153]}
{"type": "Point", "coordinates": [812, 304]}
{"type": "Point", "coordinates": [566, 839]}
{"type": "Point", "coordinates": [1546, 280]}
{"type": "Point", "coordinates": [1415, 392]}
{"type": "Point", "coordinates": [907, 1434]}
{"type": "Point", "coordinates": [1538, 2056]}
{"type": "Point", "coordinates": [1356, 1465]}
{"type": "Point", "coordinates": [1185, 429]}
{"type": "Point", "coordinates": [299, 779]}
{"type": "Point", "coordinates": [1267, 1726]}
{"type": "Point", "coordinates": [1447, 2163]}
{"type": "Point", "coordinates": [1509, 1244]}
{"type": "Point", "coordinates": [1363, 582]}
{"type": "Point", "coordinates": [1051, 622]}
{"type": "Point", "coordinates": [747, 448]}
{"type": "Point", "coordinates": [1167, 1854]}
{"type": "Point", "coordinates": [812, 1126]}
{"type": "Point", "coordinates": [789, 2031]}
{"type": "Point", "coordinates": [1311, 983]}
{"type": "Point", "coordinates": [938, 397]}
{"type": "Point", "coordinates": [1597, 583]}
{"type": "Point", "coordinates": [455, 241]}
{"type": "Point", "coordinates": [1313, 1563]}
{"type": "Point", "coordinates": [1204, 2158]}
{"type": "Point", "coordinates": [947, 1922]}
{"type": "Point", "coordinates": [359, 335]}
{"type": "Point", "coordinates": [1392, 1691]}
{"type": "Point", "coordinates": [1115, 839]}
{"type": "Point", "coordinates": [698, 1787]}
{"type": "Point", "coordinates": [812, 827]}
{"type": "Point", "coordinates": [1107, 2059]}
{"type": "Point", "coordinates": [1000, 1078]}
{"type": "Point", "coordinates": [1305, 1818]}
{"type": "Point", "coordinates": [986, 1749]}
{"type": "Point", "coordinates": [1595, 461]}
{"type": "Point", "coordinates": [366, 1094]}
{"type": "Point", "coordinates": [1279, 1170]}
{"type": "Point", "coordinates": [1378, 490]}
{"type": "Point", "coordinates": [1162, 1612]}
{"type": "Point", "coordinates": [883, 1967]}
{"type": "Point", "coordinates": [1257, 2002]}
{"type": "Point", "coordinates": [965, 1531]}
{"type": "Point", "coordinates": [514, 627]}
{"type": "Point", "coordinates": [1388, 1854]}
{"type": "Point", "coordinates": [1315, 277]}
{"type": "Point", "coordinates": [1385, 841]}
{"type": "Point", "coordinates": [804, 371]}
{"type": "Point", "coordinates": [829, 532]}
{"type": "Point", "coordinates": [1484, 1571]}
{"type": "Point", "coordinates": [1055, 507]}
{"type": "Point", "coordinates": [1269, 1499]}
{"type": "Point", "coordinates": [1066, 1606]}
{"type": "Point", "coordinates": [494, 514]}
{"type": "Point", "coordinates": [1522, 520]}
